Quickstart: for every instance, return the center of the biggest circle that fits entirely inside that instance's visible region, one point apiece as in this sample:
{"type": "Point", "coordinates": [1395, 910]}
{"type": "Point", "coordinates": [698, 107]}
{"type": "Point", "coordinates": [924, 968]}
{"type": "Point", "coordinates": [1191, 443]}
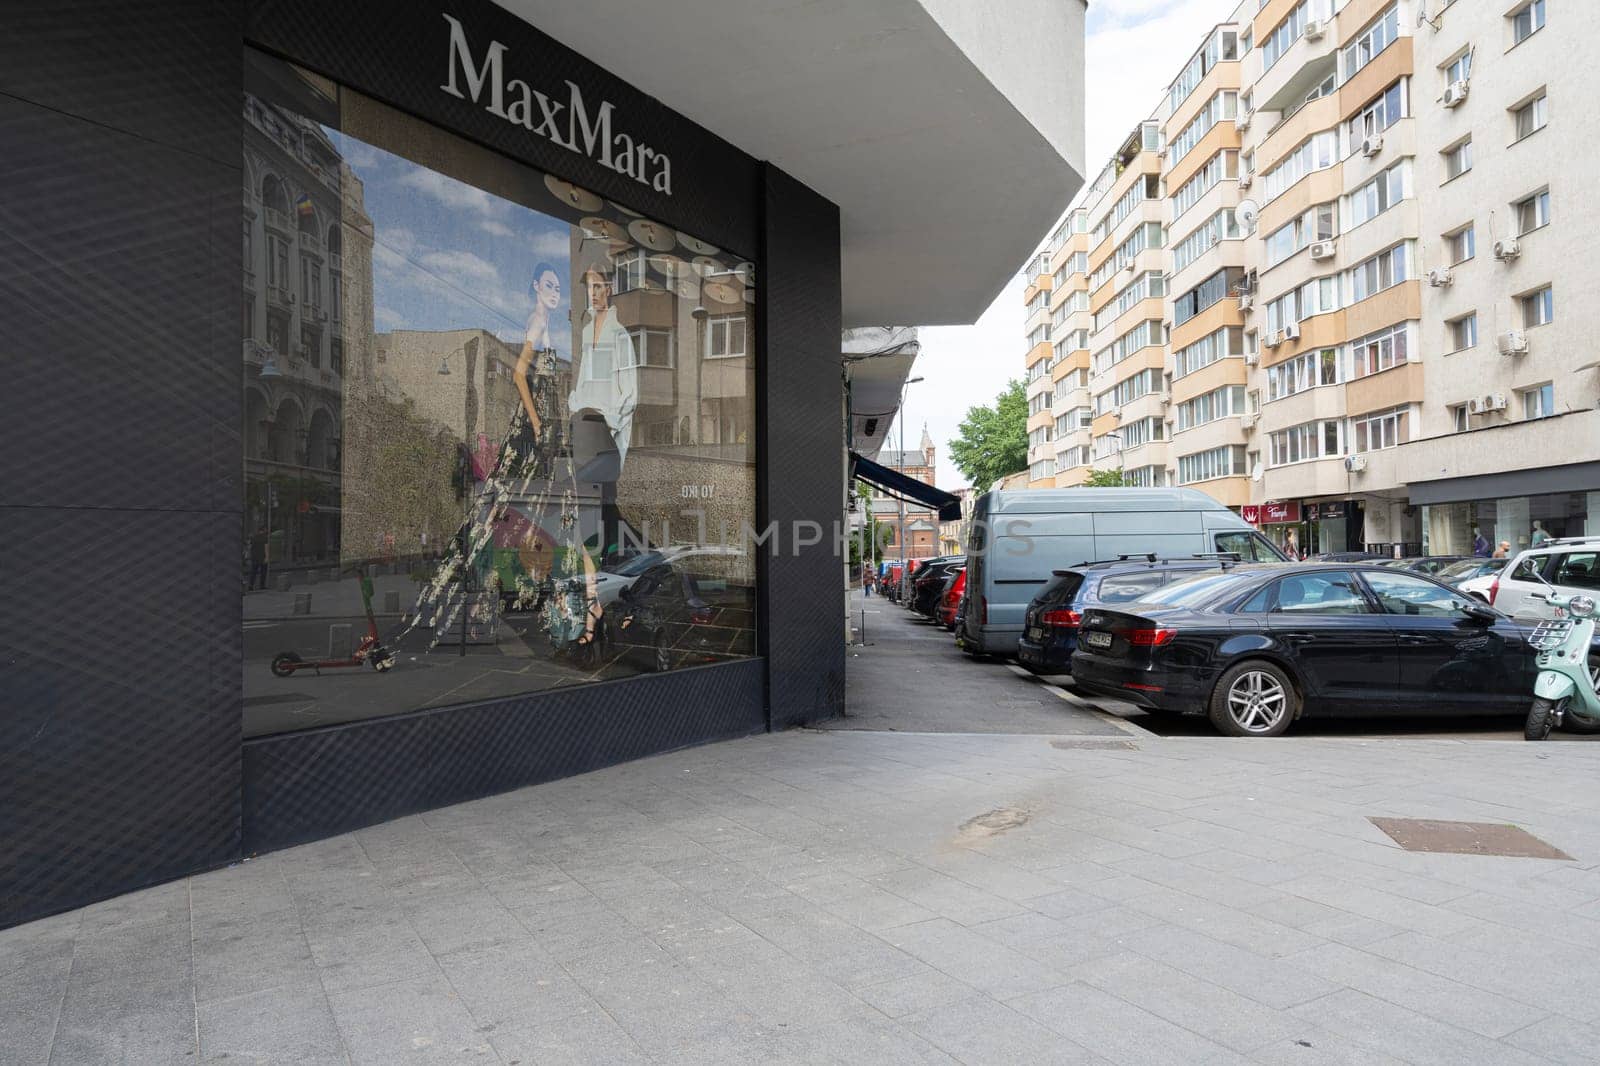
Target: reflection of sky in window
{"type": "Point", "coordinates": [447, 255]}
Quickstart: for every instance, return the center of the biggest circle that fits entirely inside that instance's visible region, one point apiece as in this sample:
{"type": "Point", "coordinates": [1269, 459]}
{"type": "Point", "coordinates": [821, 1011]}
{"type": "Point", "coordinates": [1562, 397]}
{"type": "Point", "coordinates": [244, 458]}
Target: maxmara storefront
{"type": "Point", "coordinates": [408, 402]}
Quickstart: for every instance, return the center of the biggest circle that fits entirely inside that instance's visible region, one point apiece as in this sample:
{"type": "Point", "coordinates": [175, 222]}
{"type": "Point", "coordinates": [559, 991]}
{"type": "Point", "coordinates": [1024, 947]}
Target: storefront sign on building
{"type": "Point", "coordinates": [1251, 513]}
{"type": "Point", "coordinates": [577, 130]}
{"type": "Point", "coordinates": [1277, 513]}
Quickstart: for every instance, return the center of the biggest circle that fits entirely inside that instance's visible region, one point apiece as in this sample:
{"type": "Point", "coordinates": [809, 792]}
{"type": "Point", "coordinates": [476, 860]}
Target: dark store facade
{"type": "Point", "coordinates": [391, 391]}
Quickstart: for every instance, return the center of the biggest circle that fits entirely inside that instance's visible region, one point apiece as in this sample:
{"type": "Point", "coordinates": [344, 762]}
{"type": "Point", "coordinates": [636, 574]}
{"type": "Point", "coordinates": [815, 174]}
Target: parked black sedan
{"type": "Point", "coordinates": [1256, 647]}
{"type": "Point", "coordinates": [928, 583]}
{"type": "Point", "coordinates": [1050, 624]}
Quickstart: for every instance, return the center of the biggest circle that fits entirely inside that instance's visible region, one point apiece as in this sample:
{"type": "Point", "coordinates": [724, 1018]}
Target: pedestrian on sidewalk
{"type": "Point", "coordinates": [866, 581]}
{"type": "Point", "coordinates": [258, 558]}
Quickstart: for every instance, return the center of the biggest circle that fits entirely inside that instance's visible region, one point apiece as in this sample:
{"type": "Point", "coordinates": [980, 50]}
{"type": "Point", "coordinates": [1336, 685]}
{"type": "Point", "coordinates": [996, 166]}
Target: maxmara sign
{"type": "Point", "coordinates": [565, 120]}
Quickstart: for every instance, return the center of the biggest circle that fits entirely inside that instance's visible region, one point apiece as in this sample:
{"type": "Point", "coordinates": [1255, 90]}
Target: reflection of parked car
{"type": "Point", "coordinates": [664, 617]}
{"type": "Point", "coordinates": [696, 558]}
{"type": "Point", "coordinates": [1424, 564]}
{"type": "Point", "coordinates": [1572, 565]}
{"type": "Point", "coordinates": [1257, 647]}
{"type": "Point", "coordinates": [1352, 557]}
{"type": "Point", "coordinates": [1050, 626]}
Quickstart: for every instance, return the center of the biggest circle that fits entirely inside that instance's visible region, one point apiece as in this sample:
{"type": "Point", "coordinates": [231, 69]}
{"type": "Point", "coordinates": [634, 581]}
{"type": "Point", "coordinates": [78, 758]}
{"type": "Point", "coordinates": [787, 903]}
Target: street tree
{"type": "Point", "coordinates": [1106, 479]}
{"type": "Point", "coordinates": [992, 440]}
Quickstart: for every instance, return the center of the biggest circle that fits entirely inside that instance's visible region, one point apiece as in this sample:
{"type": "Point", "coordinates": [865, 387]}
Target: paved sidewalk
{"type": "Point", "coordinates": [876, 897]}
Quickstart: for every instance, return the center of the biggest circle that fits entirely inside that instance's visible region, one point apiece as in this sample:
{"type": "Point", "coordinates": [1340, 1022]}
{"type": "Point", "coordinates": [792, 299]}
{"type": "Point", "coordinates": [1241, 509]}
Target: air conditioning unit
{"type": "Point", "coordinates": [1440, 277]}
{"type": "Point", "coordinates": [1323, 249]}
{"type": "Point", "coordinates": [1291, 331]}
{"type": "Point", "coordinates": [1495, 401]}
{"type": "Point", "coordinates": [1252, 358]}
{"type": "Point", "coordinates": [1243, 121]}
{"type": "Point", "coordinates": [1315, 29]}
{"type": "Point", "coordinates": [1371, 146]}
{"type": "Point", "coordinates": [1129, 266]}
{"type": "Point", "coordinates": [1247, 422]}
{"type": "Point", "coordinates": [1245, 301]}
{"type": "Point", "coordinates": [1355, 463]}
{"type": "Point", "coordinates": [1508, 249]}
{"type": "Point", "coordinates": [1245, 179]}
{"type": "Point", "coordinates": [1475, 406]}
{"type": "Point", "coordinates": [1513, 342]}
{"type": "Point", "coordinates": [1454, 93]}
{"type": "Point", "coordinates": [1272, 338]}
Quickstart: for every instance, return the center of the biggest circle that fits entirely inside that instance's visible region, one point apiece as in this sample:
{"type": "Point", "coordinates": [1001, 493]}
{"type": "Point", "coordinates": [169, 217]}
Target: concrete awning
{"type": "Point", "coordinates": [949, 132]}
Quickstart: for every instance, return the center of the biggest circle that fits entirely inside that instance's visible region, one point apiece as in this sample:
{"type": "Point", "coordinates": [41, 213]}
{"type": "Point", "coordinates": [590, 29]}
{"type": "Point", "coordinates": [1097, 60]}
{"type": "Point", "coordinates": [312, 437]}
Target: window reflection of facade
{"type": "Point", "coordinates": [494, 475]}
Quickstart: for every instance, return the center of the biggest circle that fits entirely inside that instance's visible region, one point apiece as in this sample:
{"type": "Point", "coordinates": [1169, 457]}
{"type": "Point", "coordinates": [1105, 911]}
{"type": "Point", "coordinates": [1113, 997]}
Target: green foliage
{"type": "Point", "coordinates": [882, 536]}
{"type": "Point", "coordinates": [993, 440]}
{"type": "Point", "coordinates": [1106, 479]}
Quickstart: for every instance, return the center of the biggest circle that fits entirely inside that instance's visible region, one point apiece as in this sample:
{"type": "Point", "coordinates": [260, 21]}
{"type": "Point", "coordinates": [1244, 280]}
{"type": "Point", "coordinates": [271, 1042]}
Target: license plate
{"type": "Point", "coordinates": [1096, 639]}
{"type": "Point", "coordinates": [1035, 633]}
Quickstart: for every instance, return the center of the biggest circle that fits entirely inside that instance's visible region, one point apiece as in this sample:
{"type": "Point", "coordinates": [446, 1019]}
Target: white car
{"type": "Point", "coordinates": [1571, 564]}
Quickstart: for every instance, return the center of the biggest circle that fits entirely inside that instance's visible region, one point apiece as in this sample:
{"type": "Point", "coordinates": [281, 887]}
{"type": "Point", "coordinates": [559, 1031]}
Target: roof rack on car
{"type": "Point", "coordinates": [1149, 557]}
{"type": "Point", "coordinates": [1223, 557]}
{"type": "Point", "coordinates": [1591, 538]}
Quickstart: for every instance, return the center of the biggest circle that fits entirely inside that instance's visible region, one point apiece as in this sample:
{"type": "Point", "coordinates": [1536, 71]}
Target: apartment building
{"type": "Point", "coordinates": [1341, 277]}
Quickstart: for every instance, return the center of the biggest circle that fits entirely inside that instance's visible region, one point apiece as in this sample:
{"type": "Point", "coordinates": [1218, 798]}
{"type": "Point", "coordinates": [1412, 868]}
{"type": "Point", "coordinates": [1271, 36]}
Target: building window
{"type": "Point", "coordinates": [1457, 160]}
{"type": "Point", "coordinates": [1382, 271]}
{"type": "Point", "coordinates": [1378, 352]}
{"type": "Point", "coordinates": [1463, 332]}
{"type": "Point", "coordinates": [630, 271]}
{"type": "Point", "coordinates": [1318, 152]}
{"type": "Point", "coordinates": [1200, 297]}
{"type": "Point", "coordinates": [1207, 350]}
{"type": "Point", "coordinates": [1305, 371]}
{"type": "Point", "coordinates": [1374, 432]}
{"type": "Point", "coordinates": [1298, 444]}
{"type": "Point", "coordinates": [725, 337]}
{"type": "Point", "coordinates": [1461, 245]}
{"type": "Point", "coordinates": [1526, 21]}
{"type": "Point", "coordinates": [1530, 117]}
{"type": "Point", "coordinates": [1538, 308]}
{"type": "Point", "coordinates": [277, 261]}
{"type": "Point", "coordinates": [650, 347]}
{"type": "Point", "coordinates": [1378, 195]}
{"type": "Point", "coordinates": [1317, 224]}
{"type": "Point", "coordinates": [1532, 213]}
{"type": "Point", "coordinates": [1460, 417]}
{"type": "Point", "coordinates": [1374, 39]}
{"type": "Point", "coordinates": [1539, 402]}
{"type": "Point", "coordinates": [1384, 111]}
{"type": "Point", "coordinates": [1226, 461]}
{"type": "Point", "coordinates": [1216, 404]}
{"type": "Point", "coordinates": [1459, 68]}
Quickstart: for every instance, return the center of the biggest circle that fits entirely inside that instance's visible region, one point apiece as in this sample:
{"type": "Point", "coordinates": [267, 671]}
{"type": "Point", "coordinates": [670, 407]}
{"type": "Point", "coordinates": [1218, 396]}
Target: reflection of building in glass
{"type": "Point", "coordinates": [296, 189]}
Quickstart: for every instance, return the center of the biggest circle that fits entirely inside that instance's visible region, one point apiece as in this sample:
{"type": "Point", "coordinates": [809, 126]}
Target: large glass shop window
{"type": "Point", "coordinates": [498, 431]}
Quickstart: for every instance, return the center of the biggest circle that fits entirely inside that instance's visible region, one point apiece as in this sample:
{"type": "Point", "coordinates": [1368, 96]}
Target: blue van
{"type": "Point", "coordinates": [1020, 537]}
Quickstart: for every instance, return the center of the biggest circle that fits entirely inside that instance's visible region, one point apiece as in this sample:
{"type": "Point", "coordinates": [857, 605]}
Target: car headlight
{"type": "Point", "coordinates": [1580, 606]}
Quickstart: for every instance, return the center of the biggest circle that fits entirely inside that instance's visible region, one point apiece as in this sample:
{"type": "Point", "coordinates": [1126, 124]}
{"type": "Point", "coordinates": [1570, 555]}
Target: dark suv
{"type": "Point", "coordinates": [1050, 624]}
{"type": "Point", "coordinates": [927, 584]}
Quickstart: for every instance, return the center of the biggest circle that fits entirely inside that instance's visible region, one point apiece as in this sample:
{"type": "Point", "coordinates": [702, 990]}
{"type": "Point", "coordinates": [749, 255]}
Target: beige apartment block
{"type": "Point", "coordinates": [1342, 279]}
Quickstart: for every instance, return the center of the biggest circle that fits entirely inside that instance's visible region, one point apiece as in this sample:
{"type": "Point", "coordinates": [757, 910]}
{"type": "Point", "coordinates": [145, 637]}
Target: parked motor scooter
{"type": "Point", "coordinates": [1567, 688]}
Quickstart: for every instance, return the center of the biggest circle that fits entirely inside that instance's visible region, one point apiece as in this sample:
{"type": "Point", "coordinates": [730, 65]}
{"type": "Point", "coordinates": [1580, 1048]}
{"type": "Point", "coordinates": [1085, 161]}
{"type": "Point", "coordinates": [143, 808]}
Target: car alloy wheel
{"type": "Point", "coordinates": [1257, 701]}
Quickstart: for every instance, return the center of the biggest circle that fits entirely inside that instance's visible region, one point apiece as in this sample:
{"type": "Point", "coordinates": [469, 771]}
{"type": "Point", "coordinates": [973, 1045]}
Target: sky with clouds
{"type": "Point", "coordinates": [1134, 50]}
{"type": "Point", "coordinates": [447, 255]}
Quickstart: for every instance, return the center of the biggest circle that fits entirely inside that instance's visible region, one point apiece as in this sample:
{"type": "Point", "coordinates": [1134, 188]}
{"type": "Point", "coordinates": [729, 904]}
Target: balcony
{"type": "Point", "coordinates": [280, 298]}
{"type": "Point", "coordinates": [310, 242]}
{"type": "Point", "coordinates": [277, 220]}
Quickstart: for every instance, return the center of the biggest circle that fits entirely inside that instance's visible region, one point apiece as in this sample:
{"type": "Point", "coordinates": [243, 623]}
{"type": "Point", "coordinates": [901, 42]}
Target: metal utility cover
{"type": "Point", "coordinates": [1467, 838]}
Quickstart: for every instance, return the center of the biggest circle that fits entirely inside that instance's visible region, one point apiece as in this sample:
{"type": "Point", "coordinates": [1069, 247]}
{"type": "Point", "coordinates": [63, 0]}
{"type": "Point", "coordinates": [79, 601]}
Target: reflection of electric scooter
{"type": "Point", "coordinates": [370, 650]}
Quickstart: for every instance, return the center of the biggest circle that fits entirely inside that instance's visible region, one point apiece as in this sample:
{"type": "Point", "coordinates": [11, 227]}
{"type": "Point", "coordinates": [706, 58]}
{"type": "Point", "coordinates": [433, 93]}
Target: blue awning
{"type": "Point", "coordinates": [906, 488]}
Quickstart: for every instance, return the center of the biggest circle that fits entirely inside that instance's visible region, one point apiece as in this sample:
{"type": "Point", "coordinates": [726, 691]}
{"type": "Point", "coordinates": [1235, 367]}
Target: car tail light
{"type": "Point", "coordinates": [701, 615]}
{"type": "Point", "coordinates": [1150, 638]}
{"type": "Point", "coordinates": [1061, 618]}
{"type": "Point", "coordinates": [1494, 590]}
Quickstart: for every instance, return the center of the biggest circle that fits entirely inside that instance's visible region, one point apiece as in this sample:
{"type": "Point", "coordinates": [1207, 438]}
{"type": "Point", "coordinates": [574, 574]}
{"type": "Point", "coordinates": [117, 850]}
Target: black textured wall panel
{"type": "Point", "coordinates": [119, 431]}
{"type": "Point", "coordinates": [303, 786]}
{"type": "Point", "coordinates": [163, 70]}
{"type": "Point", "coordinates": [119, 266]}
{"type": "Point", "coordinates": [801, 449]}
{"type": "Point", "coordinates": [119, 743]}
{"type": "Point", "coordinates": [400, 53]}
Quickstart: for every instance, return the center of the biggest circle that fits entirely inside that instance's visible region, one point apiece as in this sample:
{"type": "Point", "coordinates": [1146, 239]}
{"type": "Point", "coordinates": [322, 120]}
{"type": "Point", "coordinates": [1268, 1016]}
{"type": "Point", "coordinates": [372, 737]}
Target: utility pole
{"type": "Point", "coordinates": [901, 465]}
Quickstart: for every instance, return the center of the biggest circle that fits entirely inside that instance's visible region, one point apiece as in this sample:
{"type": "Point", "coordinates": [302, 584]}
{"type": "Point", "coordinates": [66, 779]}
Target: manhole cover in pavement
{"type": "Point", "coordinates": [1122, 745]}
{"type": "Point", "coordinates": [1467, 838]}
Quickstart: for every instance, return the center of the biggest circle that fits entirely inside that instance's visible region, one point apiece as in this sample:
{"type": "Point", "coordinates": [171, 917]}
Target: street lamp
{"type": "Point", "coordinates": [901, 463]}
